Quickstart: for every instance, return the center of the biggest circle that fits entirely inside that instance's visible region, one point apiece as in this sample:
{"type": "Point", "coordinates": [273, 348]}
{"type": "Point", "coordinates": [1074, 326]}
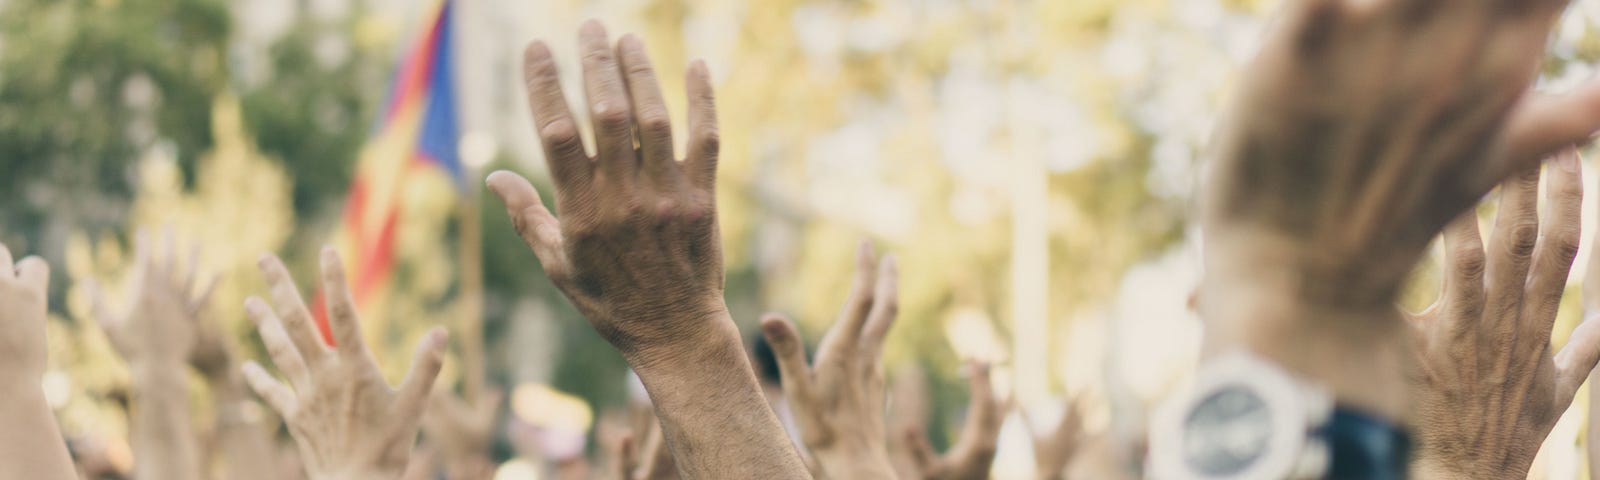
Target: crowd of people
{"type": "Point", "coordinates": [1363, 131]}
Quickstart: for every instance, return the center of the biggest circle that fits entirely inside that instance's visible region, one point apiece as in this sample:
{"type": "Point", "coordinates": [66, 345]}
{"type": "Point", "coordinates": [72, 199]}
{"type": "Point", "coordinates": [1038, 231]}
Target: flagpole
{"type": "Point", "coordinates": [477, 151]}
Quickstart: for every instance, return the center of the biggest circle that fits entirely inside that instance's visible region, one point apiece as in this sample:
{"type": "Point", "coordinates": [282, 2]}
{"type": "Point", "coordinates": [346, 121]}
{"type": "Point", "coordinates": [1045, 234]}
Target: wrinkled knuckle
{"type": "Point", "coordinates": [1470, 263]}
{"type": "Point", "coordinates": [341, 310]}
{"type": "Point", "coordinates": [654, 120]}
{"type": "Point", "coordinates": [560, 133]}
{"type": "Point", "coordinates": [1565, 247]}
{"type": "Point", "coordinates": [612, 115]}
{"type": "Point", "coordinates": [709, 139]}
{"type": "Point", "coordinates": [1523, 239]}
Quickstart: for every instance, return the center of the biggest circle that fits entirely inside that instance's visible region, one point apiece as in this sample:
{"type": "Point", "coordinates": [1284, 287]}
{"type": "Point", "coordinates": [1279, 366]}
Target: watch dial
{"type": "Point", "coordinates": [1227, 432]}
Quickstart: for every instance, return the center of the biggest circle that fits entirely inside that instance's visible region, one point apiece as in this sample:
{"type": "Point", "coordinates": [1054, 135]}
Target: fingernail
{"type": "Point", "coordinates": [438, 337]}
{"type": "Point", "coordinates": [264, 260]}
{"type": "Point", "coordinates": [773, 328]}
{"type": "Point", "coordinates": [329, 255]}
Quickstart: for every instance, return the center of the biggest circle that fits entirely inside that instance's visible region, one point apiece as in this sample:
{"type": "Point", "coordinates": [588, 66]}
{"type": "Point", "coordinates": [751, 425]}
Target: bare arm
{"type": "Point", "coordinates": [32, 446]}
{"type": "Point", "coordinates": [638, 252]}
{"type": "Point", "coordinates": [155, 335]}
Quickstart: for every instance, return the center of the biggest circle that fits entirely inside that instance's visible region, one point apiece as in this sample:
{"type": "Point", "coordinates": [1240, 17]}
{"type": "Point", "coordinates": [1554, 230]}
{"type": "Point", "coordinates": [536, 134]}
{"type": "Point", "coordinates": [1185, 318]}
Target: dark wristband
{"type": "Point", "coordinates": [1362, 446]}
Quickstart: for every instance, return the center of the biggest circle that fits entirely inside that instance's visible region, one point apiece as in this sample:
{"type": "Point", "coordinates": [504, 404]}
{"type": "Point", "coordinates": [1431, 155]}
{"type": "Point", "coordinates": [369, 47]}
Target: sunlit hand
{"type": "Point", "coordinates": [31, 445]}
{"type": "Point", "coordinates": [1363, 127]}
{"type": "Point", "coordinates": [463, 431]}
{"type": "Point", "coordinates": [349, 423]}
{"type": "Point", "coordinates": [637, 248]}
{"type": "Point", "coordinates": [1487, 387]}
{"type": "Point", "coordinates": [161, 322]}
{"type": "Point", "coordinates": [638, 252]}
{"type": "Point", "coordinates": [973, 453]}
{"type": "Point", "coordinates": [1055, 448]}
{"type": "Point", "coordinates": [839, 404]}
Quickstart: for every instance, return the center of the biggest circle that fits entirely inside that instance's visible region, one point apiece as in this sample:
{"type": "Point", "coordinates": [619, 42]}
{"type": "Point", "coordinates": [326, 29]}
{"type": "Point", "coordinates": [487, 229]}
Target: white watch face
{"type": "Point", "coordinates": [1227, 432]}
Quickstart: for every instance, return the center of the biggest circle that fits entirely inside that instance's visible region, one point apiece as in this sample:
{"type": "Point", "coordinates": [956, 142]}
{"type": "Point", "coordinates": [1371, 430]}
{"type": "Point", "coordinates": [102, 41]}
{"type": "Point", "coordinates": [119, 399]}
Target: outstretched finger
{"type": "Point", "coordinates": [532, 220]}
{"type": "Point", "coordinates": [700, 162]}
{"type": "Point", "coordinates": [1463, 284]}
{"type": "Point", "coordinates": [270, 389]}
{"type": "Point", "coordinates": [1545, 124]}
{"type": "Point", "coordinates": [1510, 254]}
{"type": "Point", "coordinates": [297, 320]}
{"type": "Point", "coordinates": [609, 108]}
{"type": "Point", "coordinates": [653, 121]}
{"type": "Point", "coordinates": [843, 337]}
{"type": "Point", "coordinates": [282, 350]}
{"type": "Point", "coordinates": [983, 421]}
{"type": "Point", "coordinates": [885, 307]}
{"type": "Point", "coordinates": [1577, 359]}
{"type": "Point", "coordinates": [1558, 244]}
{"type": "Point", "coordinates": [569, 163]}
{"type": "Point", "coordinates": [425, 365]}
{"type": "Point", "coordinates": [790, 352]}
{"type": "Point", "coordinates": [345, 323]}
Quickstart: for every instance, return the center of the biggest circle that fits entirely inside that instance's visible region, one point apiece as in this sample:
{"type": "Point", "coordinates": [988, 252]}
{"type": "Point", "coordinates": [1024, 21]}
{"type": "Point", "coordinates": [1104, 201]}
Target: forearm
{"type": "Point", "coordinates": [244, 442]}
{"type": "Point", "coordinates": [31, 446]}
{"type": "Point", "coordinates": [716, 421]}
{"type": "Point", "coordinates": [164, 445]}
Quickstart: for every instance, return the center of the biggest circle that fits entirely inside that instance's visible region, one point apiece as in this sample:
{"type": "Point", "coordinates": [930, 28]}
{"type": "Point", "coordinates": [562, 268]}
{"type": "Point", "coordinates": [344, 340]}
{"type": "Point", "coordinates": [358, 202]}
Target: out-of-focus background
{"type": "Point", "coordinates": [1031, 162]}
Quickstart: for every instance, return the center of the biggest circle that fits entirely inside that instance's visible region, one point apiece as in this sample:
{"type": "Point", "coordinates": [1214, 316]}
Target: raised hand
{"type": "Point", "coordinates": [1488, 388]}
{"type": "Point", "coordinates": [839, 403]}
{"type": "Point", "coordinates": [1055, 448]}
{"type": "Point", "coordinates": [1363, 128]}
{"type": "Point", "coordinates": [637, 251]}
{"type": "Point", "coordinates": [161, 323]}
{"type": "Point", "coordinates": [348, 422]}
{"type": "Point", "coordinates": [156, 334]}
{"type": "Point", "coordinates": [973, 453]}
{"type": "Point", "coordinates": [31, 446]}
{"type": "Point", "coordinates": [463, 431]}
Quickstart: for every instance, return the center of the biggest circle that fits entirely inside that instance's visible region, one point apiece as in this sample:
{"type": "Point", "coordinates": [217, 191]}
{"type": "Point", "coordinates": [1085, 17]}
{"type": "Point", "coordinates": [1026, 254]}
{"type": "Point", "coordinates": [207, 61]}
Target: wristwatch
{"type": "Point", "coordinates": [1247, 419]}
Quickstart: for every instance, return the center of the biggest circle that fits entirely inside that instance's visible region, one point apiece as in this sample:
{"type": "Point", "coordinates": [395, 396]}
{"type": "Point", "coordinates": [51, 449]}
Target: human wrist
{"type": "Point", "coordinates": [1345, 337]}
{"type": "Point", "coordinates": [702, 339]}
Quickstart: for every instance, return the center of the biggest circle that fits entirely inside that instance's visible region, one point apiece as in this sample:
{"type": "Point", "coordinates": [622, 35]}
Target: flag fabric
{"type": "Point", "coordinates": [415, 135]}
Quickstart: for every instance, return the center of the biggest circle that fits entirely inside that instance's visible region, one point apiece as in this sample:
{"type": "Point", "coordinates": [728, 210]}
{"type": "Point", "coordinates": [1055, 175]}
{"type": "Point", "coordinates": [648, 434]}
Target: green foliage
{"type": "Point", "coordinates": [89, 86]}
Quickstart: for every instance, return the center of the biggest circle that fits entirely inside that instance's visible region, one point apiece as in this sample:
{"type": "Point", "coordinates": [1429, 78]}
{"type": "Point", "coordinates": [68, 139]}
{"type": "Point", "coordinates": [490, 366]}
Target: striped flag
{"type": "Point", "coordinates": [415, 135]}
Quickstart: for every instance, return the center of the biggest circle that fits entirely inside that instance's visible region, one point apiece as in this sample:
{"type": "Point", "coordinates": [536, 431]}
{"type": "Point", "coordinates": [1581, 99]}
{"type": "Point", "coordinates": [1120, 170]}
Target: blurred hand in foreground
{"type": "Point", "coordinates": [1487, 387]}
{"type": "Point", "coordinates": [638, 252]}
{"type": "Point", "coordinates": [839, 403]}
{"type": "Point", "coordinates": [1365, 126]}
{"type": "Point", "coordinates": [973, 453]}
{"type": "Point", "coordinates": [31, 446]}
{"type": "Point", "coordinates": [156, 335]}
{"type": "Point", "coordinates": [348, 422]}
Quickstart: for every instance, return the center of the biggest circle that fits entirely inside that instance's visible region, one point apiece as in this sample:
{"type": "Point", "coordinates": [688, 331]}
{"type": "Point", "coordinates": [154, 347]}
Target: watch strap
{"type": "Point", "coordinates": [1362, 446]}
